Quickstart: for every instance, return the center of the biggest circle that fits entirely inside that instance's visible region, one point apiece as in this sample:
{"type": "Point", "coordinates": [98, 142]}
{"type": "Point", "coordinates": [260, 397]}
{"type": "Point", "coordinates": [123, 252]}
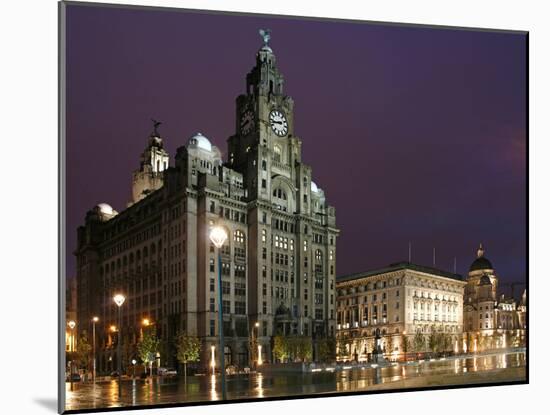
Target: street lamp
{"type": "Point", "coordinates": [134, 368]}
{"type": "Point", "coordinates": [255, 335]}
{"type": "Point", "coordinates": [119, 300]}
{"type": "Point", "coordinates": [218, 236]}
{"type": "Point", "coordinates": [95, 319]}
{"type": "Point", "coordinates": [71, 325]}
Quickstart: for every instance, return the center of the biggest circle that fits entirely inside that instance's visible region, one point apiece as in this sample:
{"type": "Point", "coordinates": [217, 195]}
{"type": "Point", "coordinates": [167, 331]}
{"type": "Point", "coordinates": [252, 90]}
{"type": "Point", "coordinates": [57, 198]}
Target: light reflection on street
{"type": "Point", "coordinates": [260, 385]}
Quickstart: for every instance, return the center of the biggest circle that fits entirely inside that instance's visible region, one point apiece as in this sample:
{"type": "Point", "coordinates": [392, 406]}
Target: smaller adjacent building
{"type": "Point", "coordinates": [490, 321]}
{"type": "Point", "coordinates": [393, 305]}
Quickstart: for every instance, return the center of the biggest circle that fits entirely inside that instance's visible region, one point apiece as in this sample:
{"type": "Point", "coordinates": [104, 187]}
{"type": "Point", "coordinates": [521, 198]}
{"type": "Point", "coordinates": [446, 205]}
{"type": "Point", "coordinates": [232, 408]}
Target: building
{"type": "Point", "coordinates": [401, 301]}
{"type": "Point", "coordinates": [491, 321]}
{"type": "Point", "coordinates": [278, 265]}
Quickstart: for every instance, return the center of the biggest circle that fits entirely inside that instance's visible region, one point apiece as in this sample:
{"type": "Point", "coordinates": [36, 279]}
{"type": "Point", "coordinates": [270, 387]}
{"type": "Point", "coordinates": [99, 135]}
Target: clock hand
{"type": "Point", "coordinates": [276, 122]}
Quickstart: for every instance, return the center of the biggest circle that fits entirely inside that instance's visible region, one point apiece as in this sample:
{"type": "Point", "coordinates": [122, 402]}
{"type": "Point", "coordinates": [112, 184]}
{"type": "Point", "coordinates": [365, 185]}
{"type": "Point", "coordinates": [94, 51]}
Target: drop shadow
{"type": "Point", "coordinates": [48, 403]}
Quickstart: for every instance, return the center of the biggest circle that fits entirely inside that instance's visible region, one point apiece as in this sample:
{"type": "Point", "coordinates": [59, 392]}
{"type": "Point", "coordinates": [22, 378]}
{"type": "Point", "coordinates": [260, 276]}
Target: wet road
{"type": "Point", "coordinates": [257, 385]}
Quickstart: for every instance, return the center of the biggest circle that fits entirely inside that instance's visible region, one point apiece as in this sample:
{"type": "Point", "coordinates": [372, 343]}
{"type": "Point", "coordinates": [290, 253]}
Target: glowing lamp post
{"type": "Point", "coordinates": [71, 325]}
{"type": "Point", "coordinates": [119, 300]}
{"type": "Point", "coordinates": [94, 320]}
{"type": "Point", "coordinates": [218, 236]}
{"type": "Point", "coordinates": [260, 361]}
{"type": "Point", "coordinates": [213, 359]}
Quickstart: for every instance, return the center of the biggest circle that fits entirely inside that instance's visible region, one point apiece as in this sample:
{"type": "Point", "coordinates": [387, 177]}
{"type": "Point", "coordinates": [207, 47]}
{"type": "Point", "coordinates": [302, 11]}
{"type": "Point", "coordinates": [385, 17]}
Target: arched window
{"type": "Point", "coordinates": [277, 153]}
{"type": "Point", "coordinates": [238, 236]}
{"type": "Point", "coordinates": [145, 252]}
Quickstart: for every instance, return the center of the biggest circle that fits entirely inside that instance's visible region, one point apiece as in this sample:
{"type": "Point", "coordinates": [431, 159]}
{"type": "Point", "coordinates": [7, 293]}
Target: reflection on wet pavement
{"type": "Point", "coordinates": [258, 385]}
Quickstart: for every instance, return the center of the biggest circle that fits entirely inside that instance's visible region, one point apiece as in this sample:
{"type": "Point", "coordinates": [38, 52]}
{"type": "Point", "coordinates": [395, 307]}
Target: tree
{"type": "Point", "coordinates": [433, 340]}
{"type": "Point", "coordinates": [303, 348]}
{"type": "Point", "coordinates": [327, 350]}
{"type": "Point", "coordinates": [81, 356]}
{"type": "Point", "coordinates": [405, 344]}
{"type": "Point", "coordinates": [148, 348]}
{"type": "Point", "coordinates": [188, 349]}
{"type": "Point", "coordinates": [419, 342]}
{"type": "Point", "coordinates": [280, 347]}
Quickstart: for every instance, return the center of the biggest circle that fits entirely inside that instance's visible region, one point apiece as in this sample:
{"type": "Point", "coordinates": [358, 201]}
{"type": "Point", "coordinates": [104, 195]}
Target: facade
{"type": "Point", "coordinates": [278, 265]}
{"type": "Point", "coordinates": [490, 321]}
{"type": "Point", "coordinates": [395, 303]}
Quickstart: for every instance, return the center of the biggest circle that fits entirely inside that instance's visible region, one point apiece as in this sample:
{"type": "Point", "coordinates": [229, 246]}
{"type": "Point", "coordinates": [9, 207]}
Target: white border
{"type": "Point", "coordinates": [28, 211]}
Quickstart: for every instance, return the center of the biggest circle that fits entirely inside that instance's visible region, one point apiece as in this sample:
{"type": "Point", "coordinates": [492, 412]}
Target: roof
{"type": "Point", "coordinates": [400, 266]}
{"type": "Point", "coordinates": [481, 263]}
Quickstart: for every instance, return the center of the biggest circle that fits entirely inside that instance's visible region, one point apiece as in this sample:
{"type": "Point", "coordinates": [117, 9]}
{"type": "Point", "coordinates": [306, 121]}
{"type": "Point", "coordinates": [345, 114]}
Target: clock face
{"type": "Point", "coordinates": [278, 123]}
{"type": "Point", "coordinates": [247, 122]}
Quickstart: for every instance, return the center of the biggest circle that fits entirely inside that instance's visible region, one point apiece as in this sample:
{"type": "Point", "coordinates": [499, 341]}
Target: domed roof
{"type": "Point", "coordinates": [485, 280]}
{"type": "Point", "coordinates": [314, 187]}
{"type": "Point", "coordinates": [481, 262]}
{"type": "Point", "coordinates": [200, 141]}
{"type": "Point", "coordinates": [105, 208]}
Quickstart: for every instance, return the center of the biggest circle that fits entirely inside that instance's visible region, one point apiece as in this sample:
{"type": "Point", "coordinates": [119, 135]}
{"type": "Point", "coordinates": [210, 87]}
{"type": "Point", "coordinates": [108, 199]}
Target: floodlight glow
{"type": "Point", "coordinates": [218, 236]}
{"type": "Point", "coordinates": [119, 299]}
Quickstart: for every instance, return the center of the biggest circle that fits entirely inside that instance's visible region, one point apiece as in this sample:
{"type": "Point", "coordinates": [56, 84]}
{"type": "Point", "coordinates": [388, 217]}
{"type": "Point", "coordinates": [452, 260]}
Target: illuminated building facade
{"type": "Point", "coordinates": [278, 265]}
{"type": "Point", "coordinates": [491, 321]}
{"type": "Point", "coordinates": [395, 303]}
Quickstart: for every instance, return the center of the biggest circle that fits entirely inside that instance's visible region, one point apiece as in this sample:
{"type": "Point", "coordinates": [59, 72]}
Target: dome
{"type": "Point", "coordinates": [105, 208]}
{"type": "Point", "coordinates": [200, 141]}
{"type": "Point", "coordinates": [266, 48]}
{"type": "Point", "coordinates": [314, 187]}
{"type": "Point", "coordinates": [481, 263]}
{"type": "Point", "coordinates": [485, 280]}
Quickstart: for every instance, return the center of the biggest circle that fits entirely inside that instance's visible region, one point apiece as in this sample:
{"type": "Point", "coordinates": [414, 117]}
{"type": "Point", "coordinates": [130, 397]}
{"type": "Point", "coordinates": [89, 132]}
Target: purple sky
{"type": "Point", "coordinates": [415, 134]}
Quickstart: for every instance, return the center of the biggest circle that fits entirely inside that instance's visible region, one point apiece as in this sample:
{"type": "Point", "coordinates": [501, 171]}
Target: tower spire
{"type": "Point", "coordinates": [480, 251]}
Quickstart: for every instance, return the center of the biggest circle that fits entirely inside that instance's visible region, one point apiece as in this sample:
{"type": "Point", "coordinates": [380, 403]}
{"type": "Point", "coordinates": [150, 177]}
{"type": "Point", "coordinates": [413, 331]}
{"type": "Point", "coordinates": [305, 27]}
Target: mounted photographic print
{"type": "Point", "coordinates": [258, 207]}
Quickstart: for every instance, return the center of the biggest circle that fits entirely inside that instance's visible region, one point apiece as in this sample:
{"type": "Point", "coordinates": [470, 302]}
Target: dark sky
{"type": "Point", "coordinates": [415, 134]}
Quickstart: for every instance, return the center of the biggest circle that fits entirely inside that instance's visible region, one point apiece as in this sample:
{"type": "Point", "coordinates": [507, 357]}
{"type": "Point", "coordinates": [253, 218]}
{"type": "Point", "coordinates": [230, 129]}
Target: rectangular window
{"type": "Point", "coordinates": [264, 308]}
{"type": "Point", "coordinates": [226, 287]}
{"type": "Point", "coordinates": [226, 307]}
{"type": "Point", "coordinates": [264, 184]}
{"type": "Point", "coordinates": [212, 305]}
{"type": "Point", "coordinates": [212, 327]}
{"type": "Point", "coordinates": [211, 265]}
{"type": "Point", "coordinates": [240, 307]}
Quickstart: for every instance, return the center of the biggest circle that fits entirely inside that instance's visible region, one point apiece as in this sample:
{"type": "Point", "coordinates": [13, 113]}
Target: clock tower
{"type": "Point", "coordinates": [264, 127]}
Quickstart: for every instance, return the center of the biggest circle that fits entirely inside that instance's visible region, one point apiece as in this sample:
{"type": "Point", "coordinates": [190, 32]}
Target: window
{"type": "Point", "coordinates": [212, 285]}
{"type": "Point", "coordinates": [264, 165]}
{"type": "Point", "coordinates": [226, 287]}
{"type": "Point", "coordinates": [318, 255]}
{"type": "Point", "coordinates": [240, 289]}
{"type": "Point", "coordinates": [212, 305]}
{"type": "Point", "coordinates": [212, 327]}
{"type": "Point", "coordinates": [277, 153]}
{"type": "Point", "coordinates": [238, 236]}
{"type": "Point", "coordinates": [305, 246]}
{"type": "Point", "coordinates": [211, 265]}
{"type": "Point", "coordinates": [240, 307]}
{"type": "Point", "coordinates": [264, 235]}
{"type": "Point", "coordinates": [264, 184]}
{"type": "Point", "coordinates": [226, 307]}
{"type": "Point", "coordinates": [264, 309]}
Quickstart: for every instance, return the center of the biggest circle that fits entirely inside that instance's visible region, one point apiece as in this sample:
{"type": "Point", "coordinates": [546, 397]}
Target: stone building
{"type": "Point", "coordinates": [395, 303]}
{"type": "Point", "coordinates": [278, 265]}
{"type": "Point", "coordinates": [490, 320]}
